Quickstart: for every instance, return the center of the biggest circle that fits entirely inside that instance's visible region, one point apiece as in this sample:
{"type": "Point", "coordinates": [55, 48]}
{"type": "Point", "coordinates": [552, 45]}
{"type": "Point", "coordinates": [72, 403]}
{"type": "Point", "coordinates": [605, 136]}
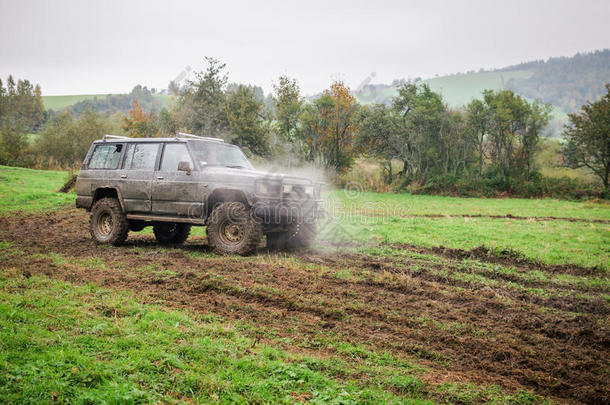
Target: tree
{"type": "Point", "coordinates": [421, 111]}
{"type": "Point", "coordinates": [378, 132]}
{"type": "Point", "coordinates": [588, 138]}
{"type": "Point", "coordinates": [138, 124]}
{"type": "Point", "coordinates": [21, 111]}
{"type": "Point", "coordinates": [202, 103]}
{"type": "Point", "coordinates": [65, 141]}
{"type": "Point", "coordinates": [329, 128]}
{"type": "Point", "coordinates": [478, 120]}
{"type": "Point", "coordinates": [13, 145]}
{"type": "Point", "coordinates": [508, 123]}
{"type": "Point", "coordinates": [246, 120]}
{"type": "Point", "coordinates": [167, 123]}
{"type": "Point", "coordinates": [288, 106]}
{"type": "Point", "coordinates": [537, 119]}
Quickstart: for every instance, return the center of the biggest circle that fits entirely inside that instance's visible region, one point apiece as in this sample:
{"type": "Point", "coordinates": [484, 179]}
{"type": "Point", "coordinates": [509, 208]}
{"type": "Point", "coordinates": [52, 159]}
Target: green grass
{"type": "Point", "coordinates": [32, 190]}
{"type": "Point", "coordinates": [554, 242]}
{"type": "Point", "coordinates": [407, 204]}
{"type": "Point", "coordinates": [63, 342]}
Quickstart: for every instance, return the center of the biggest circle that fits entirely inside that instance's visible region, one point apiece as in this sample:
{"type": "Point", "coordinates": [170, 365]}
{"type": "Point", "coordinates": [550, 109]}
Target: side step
{"type": "Point", "coordinates": [160, 218]}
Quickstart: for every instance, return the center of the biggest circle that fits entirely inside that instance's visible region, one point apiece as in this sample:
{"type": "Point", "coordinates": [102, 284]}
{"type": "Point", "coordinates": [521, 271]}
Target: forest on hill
{"type": "Point", "coordinates": [565, 82]}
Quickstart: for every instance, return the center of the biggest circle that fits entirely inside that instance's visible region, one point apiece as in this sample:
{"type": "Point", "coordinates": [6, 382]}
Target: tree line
{"type": "Point", "coordinates": [420, 143]}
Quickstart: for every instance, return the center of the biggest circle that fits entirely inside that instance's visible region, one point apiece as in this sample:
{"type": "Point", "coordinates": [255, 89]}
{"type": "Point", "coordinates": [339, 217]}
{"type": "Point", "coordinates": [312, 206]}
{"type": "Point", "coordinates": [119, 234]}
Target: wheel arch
{"type": "Point", "coordinates": [107, 192]}
{"type": "Point", "coordinates": [221, 195]}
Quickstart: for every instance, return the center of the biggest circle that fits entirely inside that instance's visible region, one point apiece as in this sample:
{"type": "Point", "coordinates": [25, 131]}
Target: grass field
{"type": "Point", "coordinates": [30, 190]}
{"type": "Point", "coordinates": [552, 231]}
{"type": "Point", "coordinates": [376, 312]}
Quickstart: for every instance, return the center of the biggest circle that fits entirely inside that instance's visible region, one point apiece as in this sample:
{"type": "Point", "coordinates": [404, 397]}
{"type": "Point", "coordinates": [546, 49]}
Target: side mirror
{"type": "Point", "coordinates": [184, 167]}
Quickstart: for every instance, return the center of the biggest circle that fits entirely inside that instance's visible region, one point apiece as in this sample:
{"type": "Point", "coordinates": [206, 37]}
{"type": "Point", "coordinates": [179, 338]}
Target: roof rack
{"type": "Point", "coordinates": [206, 138]}
{"type": "Point", "coordinates": [107, 136]}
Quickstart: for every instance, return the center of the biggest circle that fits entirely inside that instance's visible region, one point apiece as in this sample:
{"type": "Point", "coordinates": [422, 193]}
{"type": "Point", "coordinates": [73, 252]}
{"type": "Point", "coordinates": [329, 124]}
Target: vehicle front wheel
{"type": "Point", "coordinates": [171, 233]}
{"type": "Point", "coordinates": [232, 230]}
{"type": "Point", "coordinates": [301, 235]}
{"type": "Point", "coordinates": [107, 222]}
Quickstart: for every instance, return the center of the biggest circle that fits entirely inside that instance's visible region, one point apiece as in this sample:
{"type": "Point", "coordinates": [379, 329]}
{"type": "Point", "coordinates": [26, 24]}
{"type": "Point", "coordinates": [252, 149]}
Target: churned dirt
{"type": "Point", "coordinates": [545, 336]}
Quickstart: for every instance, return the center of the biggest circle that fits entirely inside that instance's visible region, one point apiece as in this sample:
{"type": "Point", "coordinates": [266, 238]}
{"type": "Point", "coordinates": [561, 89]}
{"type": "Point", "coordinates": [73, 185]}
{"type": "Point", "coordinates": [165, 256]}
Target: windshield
{"type": "Point", "coordinates": [210, 153]}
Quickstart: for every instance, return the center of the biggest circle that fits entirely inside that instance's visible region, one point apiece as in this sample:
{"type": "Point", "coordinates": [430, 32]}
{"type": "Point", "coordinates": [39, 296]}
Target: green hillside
{"type": "Point", "coordinates": [58, 103]}
{"type": "Point", "coordinates": [461, 89]}
{"type": "Point", "coordinates": [457, 90]}
{"type": "Point", "coordinates": [565, 82]}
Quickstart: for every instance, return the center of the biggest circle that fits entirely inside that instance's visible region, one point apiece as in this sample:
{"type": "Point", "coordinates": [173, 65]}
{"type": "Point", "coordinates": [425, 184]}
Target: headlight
{"type": "Point", "coordinates": [298, 189]}
{"type": "Point", "coordinates": [267, 188]}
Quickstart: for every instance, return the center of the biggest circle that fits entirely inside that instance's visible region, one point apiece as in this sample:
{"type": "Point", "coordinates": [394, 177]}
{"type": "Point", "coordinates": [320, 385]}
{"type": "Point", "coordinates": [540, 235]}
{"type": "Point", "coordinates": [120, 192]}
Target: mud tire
{"type": "Point", "coordinates": [300, 235]}
{"type": "Point", "coordinates": [276, 241]}
{"type": "Point", "coordinates": [232, 230]}
{"type": "Point", "coordinates": [107, 223]}
{"type": "Point", "coordinates": [171, 233]}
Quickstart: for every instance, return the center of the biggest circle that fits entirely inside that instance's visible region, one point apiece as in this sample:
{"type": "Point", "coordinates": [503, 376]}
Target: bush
{"type": "Point", "coordinates": [369, 176]}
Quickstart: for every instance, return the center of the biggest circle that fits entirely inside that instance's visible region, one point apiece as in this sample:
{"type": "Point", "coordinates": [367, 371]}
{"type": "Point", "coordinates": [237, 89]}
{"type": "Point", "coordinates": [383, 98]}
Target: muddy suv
{"type": "Point", "coordinates": [172, 184]}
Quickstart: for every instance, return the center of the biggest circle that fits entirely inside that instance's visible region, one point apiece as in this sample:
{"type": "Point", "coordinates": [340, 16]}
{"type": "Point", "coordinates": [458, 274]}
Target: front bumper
{"type": "Point", "coordinates": [272, 212]}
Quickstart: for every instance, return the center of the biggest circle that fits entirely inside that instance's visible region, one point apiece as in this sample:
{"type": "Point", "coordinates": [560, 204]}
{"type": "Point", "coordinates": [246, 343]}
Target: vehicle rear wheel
{"type": "Point", "coordinates": [107, 222]}
{"type": "Point", "coordinates": [171, 233]}
{"type": "Point", "coordinates": [232, 230]}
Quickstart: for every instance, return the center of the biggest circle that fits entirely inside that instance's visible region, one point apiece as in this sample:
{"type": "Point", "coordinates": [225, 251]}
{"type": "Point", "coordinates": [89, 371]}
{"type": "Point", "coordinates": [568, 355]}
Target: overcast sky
{"type": "Point", "coordinates": [99, 47]}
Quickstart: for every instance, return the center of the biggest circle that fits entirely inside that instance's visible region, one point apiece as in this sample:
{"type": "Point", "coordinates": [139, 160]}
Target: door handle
{"type": "Point", "coordinates": [159, 177]}
{"type": "Point", "coordinates": [123, 176]}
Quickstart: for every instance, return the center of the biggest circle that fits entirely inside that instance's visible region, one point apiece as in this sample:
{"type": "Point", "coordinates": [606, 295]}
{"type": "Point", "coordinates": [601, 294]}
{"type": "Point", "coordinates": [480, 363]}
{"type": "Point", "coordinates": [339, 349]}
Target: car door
{"type": "Point", "coordinates": [137, 175]}
{"type": "Point", "coordinates": [176, 192]}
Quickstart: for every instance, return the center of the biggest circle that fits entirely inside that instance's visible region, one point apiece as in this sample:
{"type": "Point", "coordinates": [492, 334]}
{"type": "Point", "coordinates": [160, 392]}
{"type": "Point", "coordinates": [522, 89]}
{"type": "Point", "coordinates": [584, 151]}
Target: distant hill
{"type": "Point", "coordinates": [565, 82]}
{"type": "Point", "coordinates": [107, 103]}
{"type": "Point", "coordinates": [58, 103]}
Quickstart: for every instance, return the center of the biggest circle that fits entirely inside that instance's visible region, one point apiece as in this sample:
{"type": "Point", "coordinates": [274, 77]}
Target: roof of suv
{"type": "Point", "coordinates": [180, 137]}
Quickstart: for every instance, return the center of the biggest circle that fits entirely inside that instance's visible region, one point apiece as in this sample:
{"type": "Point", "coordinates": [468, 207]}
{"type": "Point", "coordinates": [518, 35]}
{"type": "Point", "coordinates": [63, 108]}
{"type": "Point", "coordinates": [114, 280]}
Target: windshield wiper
{"type": "Point", "coordinates": [237, 167]}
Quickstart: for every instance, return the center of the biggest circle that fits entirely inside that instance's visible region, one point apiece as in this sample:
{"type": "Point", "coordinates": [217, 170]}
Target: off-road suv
{"type": "Point", "coordinates": [172, 184]}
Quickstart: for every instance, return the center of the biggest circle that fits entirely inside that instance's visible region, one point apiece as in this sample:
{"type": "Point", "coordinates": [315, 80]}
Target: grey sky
{"type": "Point", "coordinates": [86, 47]}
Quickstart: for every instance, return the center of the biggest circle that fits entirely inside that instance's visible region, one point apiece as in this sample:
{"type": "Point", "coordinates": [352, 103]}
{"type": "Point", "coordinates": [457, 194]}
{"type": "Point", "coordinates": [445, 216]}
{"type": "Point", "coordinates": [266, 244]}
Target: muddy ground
{"type": "Point", "coordinates": [549, 337]}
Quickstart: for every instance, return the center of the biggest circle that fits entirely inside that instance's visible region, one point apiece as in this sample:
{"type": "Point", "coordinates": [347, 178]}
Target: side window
{"type": "Point", "coordinates": [141, 156]}
{"type": "Point", "coordinates": [106, 156]}
{"type": "Point", "coordinates": [172, 154]}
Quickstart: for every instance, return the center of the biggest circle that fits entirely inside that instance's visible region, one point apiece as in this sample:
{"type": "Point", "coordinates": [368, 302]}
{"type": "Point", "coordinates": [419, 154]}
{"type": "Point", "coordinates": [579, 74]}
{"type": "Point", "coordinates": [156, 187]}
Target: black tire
{"type": "Point", "coordinates": [107, 222]}
{"type": "Point", "coordinates": [171, 233]}
{"type": "Point", "coordinates": [276, 241]}
{"type": "Point", "coordinates": [232, 230]}
{"type": "Point", "coordinates": [300, 235]}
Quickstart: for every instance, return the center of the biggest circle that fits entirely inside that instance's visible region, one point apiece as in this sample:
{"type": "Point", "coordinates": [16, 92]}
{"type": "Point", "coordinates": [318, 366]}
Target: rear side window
{"type": "Point", "coordinates": [106, 156]}
{"type": "Point", "coordinates": [141, 156]}
{"type": "Point", "coordinates": [172, 155]}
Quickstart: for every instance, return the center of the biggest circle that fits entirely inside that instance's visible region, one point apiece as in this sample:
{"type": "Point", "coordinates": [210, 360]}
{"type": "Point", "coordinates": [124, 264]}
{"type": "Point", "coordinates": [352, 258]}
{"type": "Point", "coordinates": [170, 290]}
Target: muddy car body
{"type": "Point", "coordinates": [175, 183]}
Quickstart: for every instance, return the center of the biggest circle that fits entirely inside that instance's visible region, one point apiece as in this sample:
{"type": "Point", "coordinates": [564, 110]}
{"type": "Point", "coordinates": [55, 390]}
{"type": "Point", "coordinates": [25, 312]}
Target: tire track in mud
{"type": "Point", "coordinates": [476, 333]}
{"type": "Point", "coordinates": [401, 266]}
